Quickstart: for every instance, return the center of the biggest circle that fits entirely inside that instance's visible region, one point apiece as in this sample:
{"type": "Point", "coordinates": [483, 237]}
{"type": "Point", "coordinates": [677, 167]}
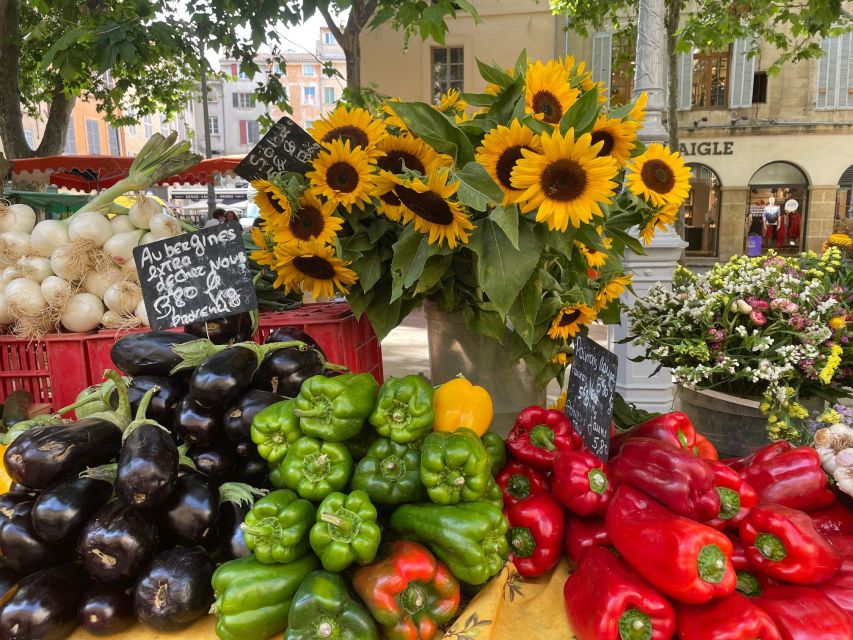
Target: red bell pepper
{"type": "Point", "coordinates": [736, 497]}
{"type": "Point", "coordinates": [535, 536]}
{"type": "Point", "coordinates": [834, 520]}
{"type": "Point", "coordinates": [839, 588]}
{"type": "Point", "coordinates": [731, 618]}
{"type": "Point", "coordinates": [538, 433]}
{"type": "Point", "coordinates": [581, 482]}
{"type": "Point", "coordinates": [685, 559]}
{"type": "Point", "coordinates": [767, 452]}
{"type": "Point", "coordinates": [843, 544]}
{"type": "Point", "coordinates": [682, 482]}
{"type": "Point", "coordinates": [409, 593]}
{"type": "Point", "coordinates": [582, 534]}
{"type": "Point", "coordinates": [606, 600]}
{"type": "Point", "coordinates": [748, 582]}
{"type": "Point", "coordinates": [793, 479]}
{"type": "Point", "coordinates": [518, 481]}
{"type": "Point", "coordinates": [783, 544]}
{"type": "Point", "coordinates": [704, 448]}
{"type": "Point", "coordinates": [674, 428]}
{"type": "Point", "coordinates": [804, 613]}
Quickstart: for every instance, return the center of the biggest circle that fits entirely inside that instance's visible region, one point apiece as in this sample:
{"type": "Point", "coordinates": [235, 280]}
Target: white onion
{"type": "Point", "coordinates": [5, 317]}
{"type": "Point", "coordinates": [48, 236]}
{"type": "Point", "coordinates": [24, 296]}
{"type": "Point", "coordinates": [123, 297]}
{"type": "Point", "coordinates": [148, 238]}
{"type": "Point", "coordinates": [18, 217]}
{"type": "Point", "coordinates": [35, 268]}
{"type": "Point", "coordinates": [142, 313]}
{"type": "Point", "coordinates": [142, 210]}
{"type": "Point", "coordinates": [121, 223]}
{"type": "Point", "coordinates": [8, 274]}
{"type": "Point", "coordinates": [92, 226]}
{"type": "Point", "coordinates": [165, 226]}
{"type": "Point", "coordinates": [55, 290]}
{"type": "Point", "coordinates": [120, 246]}
{"type": "Point", "coordinates": [82, 312]}
{"type": "Point", "coordinates": [97, 282]}
{"type": "Point", "coordinates": [14, 245]}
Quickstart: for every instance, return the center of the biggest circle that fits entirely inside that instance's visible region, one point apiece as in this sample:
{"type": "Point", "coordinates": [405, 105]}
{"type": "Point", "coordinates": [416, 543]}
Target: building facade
{"type": "Point", "coordinates": [748, 135]}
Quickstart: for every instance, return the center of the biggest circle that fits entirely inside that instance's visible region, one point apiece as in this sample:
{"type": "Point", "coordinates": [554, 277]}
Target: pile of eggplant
{"type": "Point", "coordinates": [122, 515]}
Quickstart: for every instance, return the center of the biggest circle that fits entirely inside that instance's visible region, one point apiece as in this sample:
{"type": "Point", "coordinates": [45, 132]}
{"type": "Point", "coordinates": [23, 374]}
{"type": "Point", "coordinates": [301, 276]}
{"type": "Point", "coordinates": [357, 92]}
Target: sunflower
{"type": "Point", "coordinates": [638, 109]}
{"type": "Point", "coordinates": [411, 152]}
{"type": "Point", "coordinates": [272, 202]}
{"type": "Point", "coordinates": [568, 321]}
{"type": "Point", "coordinates": [390, 117]}
{"type": "Point", "coordinates": [659, 176]}
{"type": "Point", "coordinates": [594, 257]}
{"type": "Point", "coordinates": [501, 149]}
{"type": "Point", "coordinates": [562, 358]}
{"type": "Point", "coordinates": [839, 240]}
{"type": "Point", "coordinates": [354, 125]}
{"type": "Point", "coordinates": [383, 188]}
{"type": "Point", "coordinates": [580, 78]}
{"type": "Point", "coordinates": [264, 254]}
{"type": "Point", "coordinates": [660, 220]}
{"type": "Point", "coordinates": [611, 290]}
{"type": "Point", "coordinates": [311, 266]}
{"type": "Point", "coordinates": [452, 104]}
{"type": "Point", "coordinates": [493, 89]}
{"type": "Point", "coordinates": [547, 93]}
{"type": "Point", "coordinates": [311, 220]}
{"type": "Point", "coordinates": [618, 138]}
{"type": "Point", "coordinates": [566, 182]}
{"type": "Point", "coordinates": [342, 174]}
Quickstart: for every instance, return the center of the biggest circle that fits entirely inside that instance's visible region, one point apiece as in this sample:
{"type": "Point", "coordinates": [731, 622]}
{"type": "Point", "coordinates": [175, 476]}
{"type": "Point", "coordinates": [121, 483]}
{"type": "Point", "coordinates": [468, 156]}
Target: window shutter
{"type": "Point", "coordinates": [244, 134]}
{"type": "Point", "coordinates": [685, 81]}
{"type": "Point", "coordinates": [602, 49]}
{"type": "Point", "coordinates": [845, 72]}
{"type": "Point", "coordinates": [234, 100]}
{"type": "Point", "coordinates": [827, 77]}
{"type": "Point", "coordinates": [743, 70]}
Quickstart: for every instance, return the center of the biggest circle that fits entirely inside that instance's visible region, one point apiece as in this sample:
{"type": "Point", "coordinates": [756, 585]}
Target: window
{"type": "Point", "coordinates": [28, 136]}
{"type": "Point", "coordinates": [113, 141]}
{"type": "Point", "coordinates": [249, 132]}
{"type": "Point", "coordinates": [448, 71]}
{"type": "Point", "coordinates": [93, 136]}
{"type": "Point", "coordinates": [328, 95]}
{"type": "Point", "coordinates": [308, 70]}
{"type": "Point", "coordinates": [307, 124]}
{"type": "Point", "coordinates": [328, 38]}
{"type": "Point", "coordinates": [622, 69]}
{"type": "Point", "coordinates": [147, 126]}
{"type": "Point", "coordinates": [70, 141]}
{"type": "Point", "coordinates": [759, 87]}
{"type": "Point", "coordinates": [835, 73]}
{"type": "Point", "coordinates": [242, 75]}
{"type": "Point", "coordinates": [309, 95]}
{"type": "Point", "coordinates": [213, 125]}
{"type": "Point", "coordinates": [243, 100]}
{"type": "Point", "coordinates": [701, 211]}
{"type": "Point", "coordinates": [276, 68]}
{"type": "Point", "coordinates": [710, 80]}
{"type": "Point", "coordinates": [742, 74]}
{"type": "Point", "coordinates": [602, 49]}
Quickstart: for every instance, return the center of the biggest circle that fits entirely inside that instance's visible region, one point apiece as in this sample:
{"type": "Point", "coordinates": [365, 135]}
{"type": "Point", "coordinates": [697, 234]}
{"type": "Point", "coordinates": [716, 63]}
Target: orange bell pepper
{"type": "Point", "coordinates": [458, 404]}
{"type": "Point", "coordinates": [5, 480]}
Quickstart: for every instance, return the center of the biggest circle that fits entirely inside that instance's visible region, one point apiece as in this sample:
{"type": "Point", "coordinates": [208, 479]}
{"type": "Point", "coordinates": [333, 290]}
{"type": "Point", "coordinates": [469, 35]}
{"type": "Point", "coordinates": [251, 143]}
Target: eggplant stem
{"type": "Point", "coordinates": [331, 366]}
{"type": "Point", "coordinates": [122, 412]}
{"type": "Point", "coordinates": [145, 403]}
{"type": "Point", "coordinates": [78, 404]}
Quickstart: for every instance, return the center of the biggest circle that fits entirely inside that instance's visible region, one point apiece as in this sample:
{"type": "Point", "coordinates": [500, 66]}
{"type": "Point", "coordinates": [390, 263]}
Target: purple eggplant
{"type": "Point", "coordinates": [288, 333]}
{"type": "Point", "coordinates": [217, 462]}
{"type": "Point", "coordinates": [164, 402]}
{"type": "Point", "coordinates": [106, 608]}
{"type": "Point", "coordinates": [189, 513]}
{"type": "Point", "coordinates": [234, 328]}
{"type": "Point", "coordinates": [148, 353]}
{"type": "Point", "coordinates": [223, 377]}
{"type": "Point", "coordinates": [21, 548]}
{"type": "Point", "coordinates": [283, 371]}
{"type": "Point", "coordinates": [10, 501]}
{"type": "Point", "coordinates": [254, 471]}
{"type": "Point", "coordinates": [61, 512]}
{"type": "Point", "coordinates": [228, 541]}
{"type": "Point", "coordinates": [117, 542]}
{"type": "Point", "coordinates": [197, 425]}
{"type": "Point", "coordinates": [239, 416]}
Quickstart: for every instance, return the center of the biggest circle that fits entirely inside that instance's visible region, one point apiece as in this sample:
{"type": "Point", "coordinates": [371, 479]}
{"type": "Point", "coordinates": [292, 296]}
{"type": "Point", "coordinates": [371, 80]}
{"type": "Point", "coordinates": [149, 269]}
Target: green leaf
{"type": "Point", "coordinates": [536, 125]}
{"type": "Point", "coordinates": [582, 114]}
{"type": "Point", "coordinates": [478, 99]}
{"type": "Point", "coordinates": [383, 313]}
{"type": "Point", "coordinates": [437, 130]}
{"type": "Point", "coordinates": [521, 63]}
{"type": "Point", "coordinates": [434, 270]}
{"type": "Point", "coordinates": [486, 323]}
{"type": "Point", "coordinates": [523, 311]}
{"type": "Point", "coordinates": [369, 269]}
{"type": "Point", "coordinates": [612, 314]}
{"type": "Point", "coordinates": [410, 255]}
{"type": "Point", "coordinates": [358, 299]}
{"type": "Point", "coordinates": [377, 228]}
{"type": "Point", "coordinates": [493, 74]}
{"type": "Point", "coordinates": [549, 282]}
{"type": "Point", "coordinates": [507, 101]}
{"type": "Point", "coordinates": [628, 240]}
{"type": "Point", "coordinates": [77, 35]}
{"type": "Point", "coordinates": [476, 188]}
{"type": "Point", "coordinates": [507, 219]}
{"type": "Point", "coordinates": [563, 241]}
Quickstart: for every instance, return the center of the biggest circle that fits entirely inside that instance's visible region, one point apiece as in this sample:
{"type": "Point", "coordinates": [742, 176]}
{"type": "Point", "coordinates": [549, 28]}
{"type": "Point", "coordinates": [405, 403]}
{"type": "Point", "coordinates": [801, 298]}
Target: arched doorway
{"type": "Point", "coordinates": [844, 197]}
{"type": "Point", "coordinates": [701, 211]}
{"type": "Point", "coordinates": [778, 206]}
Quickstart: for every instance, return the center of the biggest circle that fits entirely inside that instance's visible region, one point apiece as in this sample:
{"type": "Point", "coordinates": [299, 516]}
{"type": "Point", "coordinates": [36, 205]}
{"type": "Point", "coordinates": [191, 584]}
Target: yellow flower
{"type": "Point", "coordinates": [839, 240]}
{"type": "Point", "coordinates": [342, 174]}
{"type": "Point", "coordinates": [311, 220]}
{"type": "Point", "coordinates": [409, 152]}
{"type": "Point", "coordinates": [501, 149]}
{"type": "Point", "coordinates": [561, 358]}
{"type": "Point", "coordinates": [578, 77]}
{"type": "Point", "coordinates": [566, 183]}
{"type": "Point", "coordinates": [569, 320]}
{"type": "Point", "coordinates": [452, 104]}
{"type": "Point", "coordinates": [493, 89]}
{"type": "Point", "coordinates": [272, 202]}
{"type": "Point", "coordinates": [660, 220]}
{"type": "Point", "coordinates": [832, 362]}
{"type": "Point", "coordinates": [312, 267]}
{"type": "Point", "coordinates": [560, 403]}
{"type": "Point", "coordinates": [838, 322]}
{"type": "Point", "coordinates": [797, 411]}
{"type": "Point", "coordinates": [659, 176]}
{"type": "Point", "coordinates": [594, 257]}
{"type": "Point", "coordinates": [390, 117]}
{"type": "Point", "coordinates": [830, 416]}
{"type": "Point", "coordinates": [355, 125]}
{"type": "Point", "coordinates": [764, 406]}
{"type": "Point", "coordinates": [547, 93]}
{"type": "Point", "coordinates": [638, 109]}
{"type": "Point", "coordinates": [264, 254]}
{"type": "Point", "coordinates": [617, 138]}
{"type": "Point", "coordinates": [611, 290]}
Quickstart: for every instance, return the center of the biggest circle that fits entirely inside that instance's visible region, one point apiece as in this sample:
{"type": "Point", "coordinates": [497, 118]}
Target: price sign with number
{"type": "Point", "coordinates": [285, 147]}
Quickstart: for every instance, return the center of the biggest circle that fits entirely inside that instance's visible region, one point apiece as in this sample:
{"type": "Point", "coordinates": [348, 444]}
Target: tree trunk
{"type": "Point", "coordinates": [56, 128]}
{"type": "Point", "coordinates": [351, 44]}
{"type": "Point", "coordinates": [361, 11]}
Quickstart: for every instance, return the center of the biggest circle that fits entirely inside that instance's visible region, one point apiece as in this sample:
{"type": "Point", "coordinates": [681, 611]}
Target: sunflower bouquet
{"type": "Point", "coordinates": [512, 206]}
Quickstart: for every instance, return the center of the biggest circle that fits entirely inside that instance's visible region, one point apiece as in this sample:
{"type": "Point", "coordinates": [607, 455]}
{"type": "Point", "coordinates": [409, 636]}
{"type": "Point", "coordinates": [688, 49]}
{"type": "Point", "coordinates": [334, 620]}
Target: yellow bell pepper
{"type": "Point", "coordinates": [459, 404]}
{"type": "Point", "coordinates": [5, 480]}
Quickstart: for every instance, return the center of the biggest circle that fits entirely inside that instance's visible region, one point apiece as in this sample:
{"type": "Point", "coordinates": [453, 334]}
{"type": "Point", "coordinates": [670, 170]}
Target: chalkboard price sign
{"type": "Point", "coordinates": [285, 147]}
{"type": "Point", "coordinates": [195, 276]}
{"type": "Point", "coordinates": [589, 399]}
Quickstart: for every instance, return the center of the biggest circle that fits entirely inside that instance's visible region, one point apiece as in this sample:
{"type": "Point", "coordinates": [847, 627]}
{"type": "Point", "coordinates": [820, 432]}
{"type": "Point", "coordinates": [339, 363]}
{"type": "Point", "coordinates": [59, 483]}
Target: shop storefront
{"type": "Point", "coordinates": [702, 211]}
{"type": "Point", "coordinates": [778, 195]}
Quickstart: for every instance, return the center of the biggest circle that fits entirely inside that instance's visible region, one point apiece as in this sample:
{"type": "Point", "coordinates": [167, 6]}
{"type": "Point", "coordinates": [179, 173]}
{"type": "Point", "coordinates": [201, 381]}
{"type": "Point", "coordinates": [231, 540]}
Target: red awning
{"type": "Point", "coordinates": [92, 173]}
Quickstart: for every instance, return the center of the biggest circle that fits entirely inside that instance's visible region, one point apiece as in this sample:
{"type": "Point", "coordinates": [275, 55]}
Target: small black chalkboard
{"type": "Point", "coordinates": [195, 276]}
{"type": "Point", "coordinates": [589, 399]}
{"type": "Point", "coordinates": [285, 147]}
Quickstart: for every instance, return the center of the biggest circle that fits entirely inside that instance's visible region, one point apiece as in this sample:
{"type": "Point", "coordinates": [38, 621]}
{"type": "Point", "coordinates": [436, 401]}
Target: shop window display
{"type": "Point", "coordinates": [777, 209]}
{"type": "Point", "coordinates": [701, 211]}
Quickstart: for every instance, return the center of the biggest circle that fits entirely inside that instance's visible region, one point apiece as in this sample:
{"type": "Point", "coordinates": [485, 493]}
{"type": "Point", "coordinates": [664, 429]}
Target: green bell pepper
{"type": "Point", "coordinates": [470, 537]}
{"type": "Point", "coordinates": [323, 609]}
{"type": "Point", "coordinates": [454, 467]}
{"type": "Point", "coordinates": [346, 530]}
{"type": "Point", "coordinates": [276, 528]}
{"type": "Point", "coordinates": [275, 476]}
{"type": "Point", "coordinates": [253, 599]}
{"type": "Point", "coordinates": [360, 443]}
{"type": "Point", "coordinates": [495, 449]}
{"type": "Point", "coordinates": [494, 495]}
{"type": "Point", "coordinates": [274, 430]}
{"type": "Point", "coordinates": [314, 468]}
{"type": "Point", "coordinates": [390, 473]}
{"type": "Point", "coordinates": [335, 409]}
{"type": "Point", "coordinates": [403, 410]}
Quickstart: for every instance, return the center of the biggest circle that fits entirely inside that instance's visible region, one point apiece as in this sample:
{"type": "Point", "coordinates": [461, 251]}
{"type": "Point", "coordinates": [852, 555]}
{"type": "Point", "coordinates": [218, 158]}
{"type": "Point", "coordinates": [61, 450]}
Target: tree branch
{"type": "Point", "coordinates": [365, 12]}
{"type": "Point", "coordinates": [56, 128]}
{"type": "Point", "coordinates": [11, 124]}
{"type": "Point", "coordinates": [330, 22]}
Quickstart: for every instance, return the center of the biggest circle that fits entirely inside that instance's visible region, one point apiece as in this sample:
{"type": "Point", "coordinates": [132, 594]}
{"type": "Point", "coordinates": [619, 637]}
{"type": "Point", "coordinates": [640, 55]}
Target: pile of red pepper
{"type": "Point", "coordinates": [667, 540]}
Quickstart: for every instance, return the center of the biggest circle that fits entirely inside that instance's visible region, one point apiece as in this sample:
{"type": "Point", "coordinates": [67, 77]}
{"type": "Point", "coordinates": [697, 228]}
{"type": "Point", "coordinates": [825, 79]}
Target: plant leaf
{"type": "Point", "coordinates": [493, 74]}
{"type": "Point", "coordinates": [582, 114]}
{"type": "Point", "coordinates": [507, 219]}
{"type": "Point", "coordinates": [523, 311]}
{"type": "Point", "coordinates": [485, 322]}
{"type": "Point", "coordinates": [437, 130]}
{"type": "Point", "coordinates": [410, 255]}
{"type": "Point", "coordinates": [477, 189]}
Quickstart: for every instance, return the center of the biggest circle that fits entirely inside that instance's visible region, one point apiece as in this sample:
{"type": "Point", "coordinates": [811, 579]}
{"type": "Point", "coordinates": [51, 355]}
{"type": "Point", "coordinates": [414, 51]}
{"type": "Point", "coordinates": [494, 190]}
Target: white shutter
{"type": "Point", "coordinates": [685, 81]}
{"type": "Point", "coordinates": [742, 75]}
{"type": "Point", "coordinates": [602, 49]}
{"type": "Point", "coordinates": [823, 74]}
{"type": "Point", "coordinates": [828, 76]}
{"type": "Point", "coordinates": [845, 72]}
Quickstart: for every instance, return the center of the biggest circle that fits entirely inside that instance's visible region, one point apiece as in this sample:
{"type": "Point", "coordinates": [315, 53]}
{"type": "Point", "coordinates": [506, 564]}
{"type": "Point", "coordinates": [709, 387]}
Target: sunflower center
{"type": "Point", "coordinates": [429, 205]}
{"type": "Point", "coordinates": [607, 138]}
{"type": "Point", "coordinates": [395, 160]}
{"type": "Point", "coordinates": [569, 318]}
{"type": "Point", "coordinates": [658, 176]}
{"type": "Point", "coordinates": [307, 223]}
{"type": "Point", "coordinates": [357, 137]}
{"type": "Point", "coordinates": [274, 203]}
{"type": "Point", "coordinates": [563, 180]}
{"type": "Point", "coordinates": [506, 162]}
{"type": "Point", "coordinates": [314, 267]}
{"type": "Point", "coordinates": [342, 176]}
{"type": "Point", "coordinates": [548, 105]}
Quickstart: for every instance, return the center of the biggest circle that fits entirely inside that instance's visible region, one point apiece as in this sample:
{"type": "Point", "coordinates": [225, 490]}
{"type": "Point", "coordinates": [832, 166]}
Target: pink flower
{"type": "Point", "coordinates": [790, 307]}
{"type": "Point", "coordinates": [797, 322]}
{"type": "Point", "coordinates": [758, 304]}
{"type": "Point", "coordinates": [758, 318]}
